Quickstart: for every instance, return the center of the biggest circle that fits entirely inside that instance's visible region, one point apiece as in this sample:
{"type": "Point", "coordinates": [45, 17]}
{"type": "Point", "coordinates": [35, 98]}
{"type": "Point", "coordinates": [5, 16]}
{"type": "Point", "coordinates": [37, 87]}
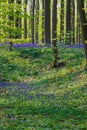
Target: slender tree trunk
{"type": "Point", "coordinates": [83, 24]}
{"type": "Point", "coordinates": [68, 21]}
{"type": "Point", "coordinates": [62, 22]}
{"type": "Point", "coordinates": [73, 21]}
{"type": "Point", "coordinates": [78, 28]}
{"type": "Point", "coordinates": [18, 21]}
{"type": "Point", "coordinates": [11, 23]}
{"type": "Point", "coordinates": [32, 20]}
{"type": "Point", "coordinates": [29, 22]}
{"type": "Point", "coordinates": [42, 21]}
{"type": "Point", "coordinates": [54, 33]}
{"type": "Point", "coordinates": [37, 20]}
{"type": "Point", "coordinates": [47, 22]}
{"type": "Point", "coordinates": [25, 19]}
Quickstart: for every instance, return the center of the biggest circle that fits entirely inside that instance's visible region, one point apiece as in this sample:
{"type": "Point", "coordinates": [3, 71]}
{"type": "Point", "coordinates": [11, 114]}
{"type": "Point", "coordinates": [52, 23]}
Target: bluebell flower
{"type": "Point", "coordinates": [38, 95]}
{"type": "Point", "coordinates": [75, 46]}
{"type": "Point", "coordinates": [30, 97]}
{"type": "Point", "coordinates": [34, 45]}
{"type": "Point", "coordinates": [9, 116]}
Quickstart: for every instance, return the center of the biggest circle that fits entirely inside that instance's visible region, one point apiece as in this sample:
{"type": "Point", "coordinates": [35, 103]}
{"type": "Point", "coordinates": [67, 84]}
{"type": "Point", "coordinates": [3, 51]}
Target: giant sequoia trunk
{"type": "Point", "coordinates": [83, 24]}
{"type": "Point", "coordinates": [47, 21]}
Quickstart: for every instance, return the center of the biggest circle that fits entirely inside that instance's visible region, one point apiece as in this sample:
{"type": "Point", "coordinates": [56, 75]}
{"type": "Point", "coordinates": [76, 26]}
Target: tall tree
{"type": "Point", "coordinates": [37, 20]}
{"type": "Point", "coordinates": [68, 21]}
{"type": "Point", "coordinates": [18, 20]}
{"type": "Point", "coordinates": [25, 19]}
{"type": "Point", "coordinates": [83, 24]}
{"type": "Point", "coordinates": [29, 19]}
{"type": "Point", "coordinates": [47, 21]}
{"type": "Point", "coordinates": [54, 33]}
{"type": "Point", "coordinates": [73, 21]}
{"type": "Point", "coordinates": [11, 23]}
{"type": "Point", "coordinates": [42, 21]}
{"type": "Point", "coordinates": [32, 20]}
{"type": "Point", "coordinates": [62, 22]}
{"type": "Point", "coordinates": [78, 29]}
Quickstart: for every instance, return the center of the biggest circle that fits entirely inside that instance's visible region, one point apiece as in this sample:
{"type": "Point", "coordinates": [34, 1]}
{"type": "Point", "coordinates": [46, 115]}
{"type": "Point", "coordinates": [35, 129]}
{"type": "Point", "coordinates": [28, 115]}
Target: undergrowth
{"type": "Point", "coordinates": [53, 99]}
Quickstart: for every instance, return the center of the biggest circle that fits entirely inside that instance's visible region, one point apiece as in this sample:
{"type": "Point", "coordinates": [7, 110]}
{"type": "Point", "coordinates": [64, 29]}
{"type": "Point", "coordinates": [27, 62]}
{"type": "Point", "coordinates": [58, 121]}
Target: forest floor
{"type": "Point", "coordinates": [35, 96]}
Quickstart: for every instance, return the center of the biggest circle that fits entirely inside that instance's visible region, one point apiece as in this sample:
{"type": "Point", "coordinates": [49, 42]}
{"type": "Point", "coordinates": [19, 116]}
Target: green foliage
{"type": "Point", "coordinates": [9, 14]}
{"type": "Point", "coordinates": [34, 53]}
{"type": "Point", "coordinates": [18, 41]}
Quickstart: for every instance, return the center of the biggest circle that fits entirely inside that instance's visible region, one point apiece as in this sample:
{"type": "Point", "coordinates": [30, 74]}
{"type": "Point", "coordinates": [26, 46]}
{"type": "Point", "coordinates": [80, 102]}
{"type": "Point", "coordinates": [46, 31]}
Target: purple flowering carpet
{"type": "Point", "coordinates": [36, 45]}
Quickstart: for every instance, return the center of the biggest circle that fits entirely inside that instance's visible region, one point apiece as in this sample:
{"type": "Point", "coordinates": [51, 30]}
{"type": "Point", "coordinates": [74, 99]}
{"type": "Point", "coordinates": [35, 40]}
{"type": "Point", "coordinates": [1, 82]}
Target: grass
{"type": "Point", "coordinates": [53, 99]}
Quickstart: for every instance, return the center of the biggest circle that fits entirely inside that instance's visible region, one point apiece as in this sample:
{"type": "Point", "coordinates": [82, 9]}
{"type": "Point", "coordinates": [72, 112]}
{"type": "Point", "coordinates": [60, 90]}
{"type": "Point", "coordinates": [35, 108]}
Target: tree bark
{"type": "Point", "coordinates": [62, 22]}
{"type": "Point", "coordinates": [25, 19]}
{"type": "Point", "coordinates": [68, 21]}
{"type": "Point", "coordinates": [83, 24]}
{"type": "Point", "coordinates": [18, 20]}
{"type": "Point", "coordinates": [54, 34]}
{"type": "Point", "coordinates": [73, 21]}
{"type": "Point", "coordinates": [42, 21]}
{"type": "Point", "coordinates": [11, 23]}
{"type": "Point", "coordinates": [37, 20]}
{"type": "Point", "coordinates": [47, 22]}
{"type": "Point", "coordinates": [32, 21]}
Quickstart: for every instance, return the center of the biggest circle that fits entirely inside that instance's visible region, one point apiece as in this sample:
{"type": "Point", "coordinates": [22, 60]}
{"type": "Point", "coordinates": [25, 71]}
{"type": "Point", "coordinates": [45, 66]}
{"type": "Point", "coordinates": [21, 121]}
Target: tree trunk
{"type": "Point", "coordinates": [42, 21]}
{"type": "Point", "coordinates": [62, 22]}
{"type": "Point", "coordinates": [18, 21]}
{"type": "Point", "coordinates": [32, 21]}
{"type": "Point", "coordinates": [83, 24]}
{"type": "Point", "coordinates": [78, 28]}
{"type": "Point", "coordinates": [25, 19]}
{"type": "Point", "coordinates": [29, 22]}
{"type": "Point", "coordinates": [73, 21]}
{"type": "Point", "coordinates": [11, 23]}
{"type": "Point", "coordinates": [68, 21]}
{"type": "Point", "coordinates": [54, 33]}
{"type": "Point", "coordinates": [47, 22]}
{"type": "Point", "coordinates": [37, 20]}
